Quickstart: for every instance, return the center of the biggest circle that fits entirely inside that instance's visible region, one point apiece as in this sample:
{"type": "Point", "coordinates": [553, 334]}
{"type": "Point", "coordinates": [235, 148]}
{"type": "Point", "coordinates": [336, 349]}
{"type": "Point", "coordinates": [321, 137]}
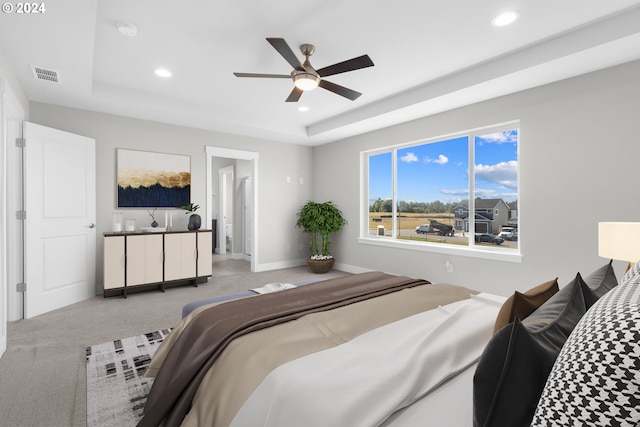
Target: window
{"type": "Point", "coordinates": [445, 192]}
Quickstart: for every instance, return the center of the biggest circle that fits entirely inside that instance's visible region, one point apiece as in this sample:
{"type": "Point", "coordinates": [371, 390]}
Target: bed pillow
{"type": "Point", "coordinates": [509, 378]}
{"type": "Point", "coordinates": [553, 322]}
{"type": "Point", "coordinates": [595, 378]}
{"type": "Point", "coordinates": [521, 305]}
{"type": "Point", "coordinates": [602, 280]}
{"type": "Point", "coordinates": [513, 368]}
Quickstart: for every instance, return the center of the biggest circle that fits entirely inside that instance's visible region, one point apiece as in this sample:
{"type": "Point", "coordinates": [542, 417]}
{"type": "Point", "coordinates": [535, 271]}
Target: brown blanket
{"type": "Point", "coordinates": [210, 332]}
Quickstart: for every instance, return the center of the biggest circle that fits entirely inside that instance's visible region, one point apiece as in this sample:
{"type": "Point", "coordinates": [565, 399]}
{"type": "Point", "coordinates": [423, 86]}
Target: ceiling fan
{"type": "Point", "coordinates": [305, 77]}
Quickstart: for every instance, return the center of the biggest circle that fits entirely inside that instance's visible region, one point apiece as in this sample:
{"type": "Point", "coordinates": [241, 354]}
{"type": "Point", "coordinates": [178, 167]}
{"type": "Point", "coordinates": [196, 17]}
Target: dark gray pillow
{"type": "Point", "coordinates": [520, 305]}
{"type": "Point", "coordinates": [553, 322]}
{"type": "Point", "coordinates": [514, 366]}
{"type": "Point", "coordinates": [602, 280]}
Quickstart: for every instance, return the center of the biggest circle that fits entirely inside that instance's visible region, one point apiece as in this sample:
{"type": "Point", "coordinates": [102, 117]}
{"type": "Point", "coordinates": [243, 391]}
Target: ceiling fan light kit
{"type": "Point", "coordinates": [305, 80]}
{"type": "Point", "coordinates": [305, 77]}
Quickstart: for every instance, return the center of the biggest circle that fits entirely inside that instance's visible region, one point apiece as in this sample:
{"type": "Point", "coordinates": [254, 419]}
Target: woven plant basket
{"type": "Point", "coordinates": [320, 266]}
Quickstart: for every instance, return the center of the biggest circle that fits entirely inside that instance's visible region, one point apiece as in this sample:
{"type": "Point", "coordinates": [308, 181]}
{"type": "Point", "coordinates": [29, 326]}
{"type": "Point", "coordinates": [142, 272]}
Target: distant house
{"type": "Point", "coordinates": [490, 215]}
{"type": "Point", "coordinates": [513, 213]}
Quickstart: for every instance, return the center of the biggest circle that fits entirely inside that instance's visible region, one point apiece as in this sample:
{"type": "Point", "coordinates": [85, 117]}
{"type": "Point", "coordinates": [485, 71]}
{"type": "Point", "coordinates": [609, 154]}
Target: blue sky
{"type": "Point", "coordinates": [439, 170]}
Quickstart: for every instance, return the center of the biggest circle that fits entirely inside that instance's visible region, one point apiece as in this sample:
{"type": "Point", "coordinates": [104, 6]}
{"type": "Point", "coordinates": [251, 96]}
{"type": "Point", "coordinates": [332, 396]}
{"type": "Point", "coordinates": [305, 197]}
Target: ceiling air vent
{"type": "Point", "coordinates": [44, 74]}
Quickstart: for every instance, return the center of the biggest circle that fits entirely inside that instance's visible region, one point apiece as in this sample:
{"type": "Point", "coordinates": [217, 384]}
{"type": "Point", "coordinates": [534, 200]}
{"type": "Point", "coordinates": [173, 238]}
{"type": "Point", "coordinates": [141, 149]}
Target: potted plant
{"type": "Point", "coordinates": [194, 220]}
{"type": "Point", "coordinates": [320, 220]}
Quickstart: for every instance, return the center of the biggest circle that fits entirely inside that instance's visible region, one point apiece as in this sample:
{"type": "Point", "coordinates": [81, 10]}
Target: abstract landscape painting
{"type": "Point", "coordinates": [153, 180]}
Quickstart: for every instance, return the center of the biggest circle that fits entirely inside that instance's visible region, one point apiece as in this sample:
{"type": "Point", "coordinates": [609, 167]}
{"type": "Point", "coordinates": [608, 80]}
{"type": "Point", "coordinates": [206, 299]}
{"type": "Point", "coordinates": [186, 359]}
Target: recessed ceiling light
{"type": "Point", "coordinates": [505, 18]}
{"type": "Point", "coordinates": [162, 72]}
{"type": "Point", "coordinates": [303, 108]}
{"type": "Point", "coordinates": [127, 28]}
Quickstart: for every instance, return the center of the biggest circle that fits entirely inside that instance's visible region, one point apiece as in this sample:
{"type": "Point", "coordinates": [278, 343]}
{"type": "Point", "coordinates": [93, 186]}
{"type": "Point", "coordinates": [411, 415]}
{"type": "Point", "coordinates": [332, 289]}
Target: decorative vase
{"type": "Point", "coordinates": [154, 224]}
{"type": "Point", "coordinates": [194, 222]}
{"type": "Point", "coordinates": [320, 266]}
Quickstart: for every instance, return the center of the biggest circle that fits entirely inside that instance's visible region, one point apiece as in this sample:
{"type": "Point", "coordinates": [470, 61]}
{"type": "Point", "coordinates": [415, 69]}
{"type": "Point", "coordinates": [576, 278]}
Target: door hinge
{"type": "Point", "coordinates": [21, 215]}
{"type": "Point", "coordinates": [21, 287]}
{"type": "Point", "coordinates": [21, 142]}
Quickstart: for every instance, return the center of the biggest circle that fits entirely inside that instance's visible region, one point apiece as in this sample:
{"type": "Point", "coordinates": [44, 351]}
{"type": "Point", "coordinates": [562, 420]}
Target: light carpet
{"type": "Point", "coordinates": [116, 387]}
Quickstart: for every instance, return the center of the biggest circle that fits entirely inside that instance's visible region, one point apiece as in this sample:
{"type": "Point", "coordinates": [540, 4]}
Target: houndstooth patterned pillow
{"type": "Point", "coordinates": [596, 379]}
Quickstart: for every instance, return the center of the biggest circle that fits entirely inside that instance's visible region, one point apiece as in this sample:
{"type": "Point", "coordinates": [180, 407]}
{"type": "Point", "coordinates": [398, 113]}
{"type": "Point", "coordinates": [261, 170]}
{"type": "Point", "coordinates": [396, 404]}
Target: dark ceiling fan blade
{"type": "Point", "coordinates": [340, 90]}
{"type": "Point", "coordinates": [283, 49]}
{"type": "Point", "coordinates": [349, 65]}
{"type": "Point", "coordinates": [267, 76]}
{"type": "Point", "coordinates": [295, 95]}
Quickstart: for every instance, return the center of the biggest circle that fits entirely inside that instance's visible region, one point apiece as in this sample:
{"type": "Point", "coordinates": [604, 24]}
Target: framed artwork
{"type": "Point", "coordinates": [148, 179]}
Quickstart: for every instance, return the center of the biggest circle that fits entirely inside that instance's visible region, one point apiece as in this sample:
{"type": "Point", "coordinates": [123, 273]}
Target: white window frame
{"type": "Point", "coordinates": [472, 250]}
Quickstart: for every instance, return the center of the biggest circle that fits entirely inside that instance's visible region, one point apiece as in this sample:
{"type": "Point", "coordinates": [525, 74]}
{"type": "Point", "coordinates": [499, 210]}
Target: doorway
{"type": "Point", "coordinates": [225, 210]}
{"type": "Point", "coordinates": [245, 165]}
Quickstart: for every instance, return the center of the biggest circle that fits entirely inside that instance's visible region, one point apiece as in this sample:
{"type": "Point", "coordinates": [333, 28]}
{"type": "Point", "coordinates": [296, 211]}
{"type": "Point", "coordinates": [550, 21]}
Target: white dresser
{"type": "Point", "coordinates": [143, 261]}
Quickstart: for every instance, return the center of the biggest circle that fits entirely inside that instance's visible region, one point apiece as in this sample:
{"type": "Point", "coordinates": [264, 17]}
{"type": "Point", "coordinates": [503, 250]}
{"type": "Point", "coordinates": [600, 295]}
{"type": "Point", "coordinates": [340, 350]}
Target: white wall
{"type": "Point", "coordinates": [579, 154]}
{"type": "Point", "coordinates": [279, 243]}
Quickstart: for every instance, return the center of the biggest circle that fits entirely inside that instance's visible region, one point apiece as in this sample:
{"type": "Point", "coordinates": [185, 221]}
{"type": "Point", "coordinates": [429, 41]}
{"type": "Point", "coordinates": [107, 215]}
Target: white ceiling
{"type": "Point", "coordinates": [430, 56]}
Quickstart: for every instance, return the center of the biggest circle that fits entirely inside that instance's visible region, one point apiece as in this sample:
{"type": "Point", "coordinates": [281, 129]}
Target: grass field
{"type": "Point", "coordinates": [407, 223]}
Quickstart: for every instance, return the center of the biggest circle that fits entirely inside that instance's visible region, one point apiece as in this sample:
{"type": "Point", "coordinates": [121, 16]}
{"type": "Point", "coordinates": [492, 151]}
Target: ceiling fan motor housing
{"type": "Point", "coordinates": [307, 49]}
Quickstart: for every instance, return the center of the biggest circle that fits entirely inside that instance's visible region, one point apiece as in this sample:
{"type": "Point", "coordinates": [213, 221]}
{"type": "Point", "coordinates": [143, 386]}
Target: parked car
{"type": "Point", "coordinates": [489, 238]}
{"type": "Point", "coordinates": [509, 233]}
{"type": "Point", "coordinates": [422, 229]}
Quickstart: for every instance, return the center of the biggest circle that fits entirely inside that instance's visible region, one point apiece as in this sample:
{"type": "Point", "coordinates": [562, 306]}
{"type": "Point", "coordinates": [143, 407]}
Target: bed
{"type": "Point", "coordinates": [370, 349]}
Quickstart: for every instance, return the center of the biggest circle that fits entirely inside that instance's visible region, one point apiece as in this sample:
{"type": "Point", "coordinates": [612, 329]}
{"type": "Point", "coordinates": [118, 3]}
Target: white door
{"type": "Point", "coordinates": [226, 207]}
{"type": "Point", "coordinates": [247, 215]}
{"type": "Point", "coordinates": [60, 205]}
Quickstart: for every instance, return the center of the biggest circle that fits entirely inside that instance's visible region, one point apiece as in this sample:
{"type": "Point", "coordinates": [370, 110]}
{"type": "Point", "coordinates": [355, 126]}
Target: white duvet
{"type": "Point", "coordinates": [361, 382]}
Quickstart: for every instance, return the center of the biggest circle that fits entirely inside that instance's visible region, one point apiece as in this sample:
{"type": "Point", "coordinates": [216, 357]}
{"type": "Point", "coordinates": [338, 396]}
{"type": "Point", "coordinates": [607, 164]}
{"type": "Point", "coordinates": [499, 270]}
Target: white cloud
{"type": "Point", "coordinates": [507, 136]}
{"type": "Point", "coordinates": [441, 160]}
{"type": "Point", "coordinates": [454, 192]}
{"type": "Point", "coordinates": [409, 158]}
{"type": "Point", "coordinates": [504, 173]}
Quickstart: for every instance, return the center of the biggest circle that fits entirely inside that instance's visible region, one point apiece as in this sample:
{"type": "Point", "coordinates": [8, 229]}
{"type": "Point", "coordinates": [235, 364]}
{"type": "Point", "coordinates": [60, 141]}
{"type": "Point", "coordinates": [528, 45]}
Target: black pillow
{"type": "Point", "coordinates": [509, 378]}
{"type": "Point", "coordinates": [513, 368]}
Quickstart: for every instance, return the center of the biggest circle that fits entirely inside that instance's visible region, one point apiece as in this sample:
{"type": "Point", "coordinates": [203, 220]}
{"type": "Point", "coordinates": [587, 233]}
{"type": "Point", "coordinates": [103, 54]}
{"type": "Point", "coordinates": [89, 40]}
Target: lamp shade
{"type": "Point", "coordinates": [619, 240]}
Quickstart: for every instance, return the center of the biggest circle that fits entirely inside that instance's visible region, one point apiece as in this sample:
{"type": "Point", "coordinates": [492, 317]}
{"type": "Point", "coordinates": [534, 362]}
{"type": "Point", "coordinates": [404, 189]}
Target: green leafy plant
{"type": "Point", "coordinates": [190, 208]}
{"type": "Point", "coordinates": [320, 220]}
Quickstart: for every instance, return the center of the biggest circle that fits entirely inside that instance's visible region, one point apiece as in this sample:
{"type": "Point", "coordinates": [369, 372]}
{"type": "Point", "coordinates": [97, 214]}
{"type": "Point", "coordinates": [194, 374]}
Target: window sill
{"type": "Point", "coordinates": [495, 254]}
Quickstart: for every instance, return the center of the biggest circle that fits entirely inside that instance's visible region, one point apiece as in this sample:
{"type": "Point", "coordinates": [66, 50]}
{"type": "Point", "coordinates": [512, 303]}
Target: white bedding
{"type": "Point", "coordinates": [449, 405]}
{"type": "Point", "coordinates": [380, 372]}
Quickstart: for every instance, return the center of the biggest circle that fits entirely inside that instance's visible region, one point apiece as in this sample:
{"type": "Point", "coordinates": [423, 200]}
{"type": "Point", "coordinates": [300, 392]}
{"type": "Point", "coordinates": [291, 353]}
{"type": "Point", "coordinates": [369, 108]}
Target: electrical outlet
{"type": "Point", "coordinates": [448, 266]}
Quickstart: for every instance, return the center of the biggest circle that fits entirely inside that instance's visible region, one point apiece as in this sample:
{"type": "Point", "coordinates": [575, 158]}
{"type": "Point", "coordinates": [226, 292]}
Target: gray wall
{"type": "Point", "coordinates": [577, 157]}
{"type": "Point", "coordinates": [579, 154]}
{"type": "Point", "coordinates": [279, 243]}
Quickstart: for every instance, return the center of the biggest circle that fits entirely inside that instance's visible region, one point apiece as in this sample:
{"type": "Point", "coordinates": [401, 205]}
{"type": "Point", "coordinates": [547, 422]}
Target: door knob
{"type": "Point", "coordinates": [92, 225]}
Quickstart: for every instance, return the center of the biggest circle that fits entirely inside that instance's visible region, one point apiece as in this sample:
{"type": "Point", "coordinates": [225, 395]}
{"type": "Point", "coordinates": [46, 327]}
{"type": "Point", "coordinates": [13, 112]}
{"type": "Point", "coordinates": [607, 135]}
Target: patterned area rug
{"type": "Point", "coordinates": [116, 387]}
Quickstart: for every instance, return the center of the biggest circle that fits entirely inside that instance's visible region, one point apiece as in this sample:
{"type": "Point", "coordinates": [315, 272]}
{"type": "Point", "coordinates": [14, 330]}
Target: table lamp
{"type": "Point", "coordinates": [620, 241]}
